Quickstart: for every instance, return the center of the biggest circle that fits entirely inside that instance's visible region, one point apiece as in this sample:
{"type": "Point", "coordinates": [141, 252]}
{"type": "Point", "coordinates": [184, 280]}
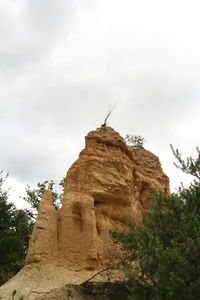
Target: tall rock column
{"type": "Point", "coordinates": [43, 242]}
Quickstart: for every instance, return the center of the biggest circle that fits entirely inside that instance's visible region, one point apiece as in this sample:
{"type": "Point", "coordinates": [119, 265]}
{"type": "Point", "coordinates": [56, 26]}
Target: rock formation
{"type": "Point", "coordinates": [107, 184]}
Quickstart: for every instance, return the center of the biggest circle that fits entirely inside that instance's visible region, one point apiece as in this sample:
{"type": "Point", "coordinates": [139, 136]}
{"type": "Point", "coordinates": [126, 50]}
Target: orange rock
{"type": "Point", "coordinates": [109, 183]}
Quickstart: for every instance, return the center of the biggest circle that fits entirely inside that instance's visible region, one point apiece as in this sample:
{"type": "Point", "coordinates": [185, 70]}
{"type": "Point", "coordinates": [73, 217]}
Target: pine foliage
{"type": "Point", "coordinates": [162, 258]}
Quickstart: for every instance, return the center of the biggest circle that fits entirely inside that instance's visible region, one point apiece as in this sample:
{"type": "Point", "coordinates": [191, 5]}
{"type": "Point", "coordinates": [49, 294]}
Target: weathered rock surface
{"type": "Point", "coordinates": [108, 183]}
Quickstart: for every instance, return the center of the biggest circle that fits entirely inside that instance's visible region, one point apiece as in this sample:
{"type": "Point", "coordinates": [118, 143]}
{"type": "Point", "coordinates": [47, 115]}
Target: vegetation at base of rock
{"type": "Point", "coordinates": [134, 140]}
{"type": "Point", "coordinates": [106, 290]}
{"type": "Point", "coordinates": [15, 230]}
{"type": "Point", "coordinates": [162, 258]}
{"type": "Point", "coordinates": [89, 291]}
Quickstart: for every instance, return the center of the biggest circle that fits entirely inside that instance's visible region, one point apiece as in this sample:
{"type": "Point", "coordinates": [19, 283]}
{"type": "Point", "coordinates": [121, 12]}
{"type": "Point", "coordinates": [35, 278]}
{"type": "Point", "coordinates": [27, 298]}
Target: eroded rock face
{"type": "Point", "coordinates": [107, 184]}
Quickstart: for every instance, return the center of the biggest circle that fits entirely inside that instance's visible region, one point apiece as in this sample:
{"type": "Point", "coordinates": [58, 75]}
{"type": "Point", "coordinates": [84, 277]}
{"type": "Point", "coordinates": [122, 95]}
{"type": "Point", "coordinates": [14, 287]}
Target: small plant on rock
{"type": "Point", "coordinates": [13, 294]}
{"type": "Point", "coordinates": [70, 294]}
{"type": "Point", "coordinates": [134, 140]}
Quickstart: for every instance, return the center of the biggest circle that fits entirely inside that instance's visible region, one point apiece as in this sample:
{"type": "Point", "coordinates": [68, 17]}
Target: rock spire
{"type": "Point", "coordinates": [108, 183]}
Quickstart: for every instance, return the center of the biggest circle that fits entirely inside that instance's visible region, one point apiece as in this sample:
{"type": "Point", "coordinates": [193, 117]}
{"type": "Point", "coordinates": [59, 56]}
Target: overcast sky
{"type": "Point", "coordinates": [63, 63]}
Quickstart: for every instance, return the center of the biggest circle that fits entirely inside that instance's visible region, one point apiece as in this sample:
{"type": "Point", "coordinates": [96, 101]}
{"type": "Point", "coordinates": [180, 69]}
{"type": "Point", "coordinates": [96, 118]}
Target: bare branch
{"type": "Point", "coordinates": [108, 115]}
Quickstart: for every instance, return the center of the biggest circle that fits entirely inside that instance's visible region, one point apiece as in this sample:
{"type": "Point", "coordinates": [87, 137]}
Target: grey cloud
{"type": "Point", "coordinates": [48, 15]}
{"type": "Point", "coordinates": [31, 30]}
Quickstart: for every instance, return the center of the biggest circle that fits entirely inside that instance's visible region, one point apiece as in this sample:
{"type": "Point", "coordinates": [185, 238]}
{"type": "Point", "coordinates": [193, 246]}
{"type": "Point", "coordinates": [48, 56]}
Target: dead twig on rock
{"type": "Point", "coordinates": [108, 115]}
